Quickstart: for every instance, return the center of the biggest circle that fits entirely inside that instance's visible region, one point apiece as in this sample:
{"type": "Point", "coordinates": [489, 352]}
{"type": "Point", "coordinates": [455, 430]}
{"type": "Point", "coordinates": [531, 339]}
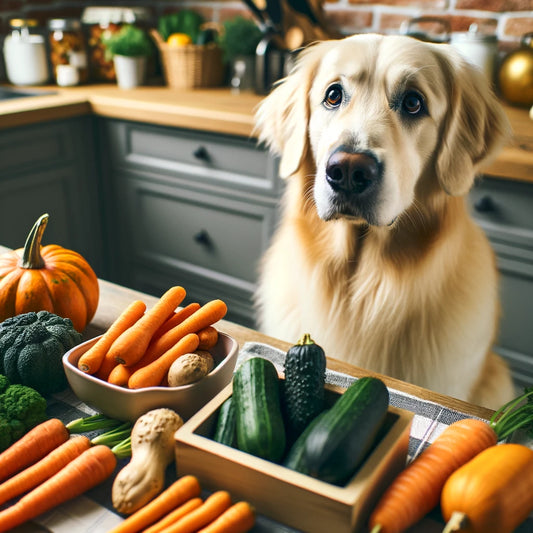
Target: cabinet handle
{"type": "Point", "coordinates": [201, 153]}
{"type": "Point", "coordinates": [485, 204]}
{"type": "Point", "coordinates": [203, 238]}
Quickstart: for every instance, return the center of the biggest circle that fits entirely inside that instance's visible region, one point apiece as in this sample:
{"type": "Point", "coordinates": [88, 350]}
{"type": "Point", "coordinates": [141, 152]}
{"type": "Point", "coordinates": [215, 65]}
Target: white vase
{"type": "Point", "coordinates": [130, 71]}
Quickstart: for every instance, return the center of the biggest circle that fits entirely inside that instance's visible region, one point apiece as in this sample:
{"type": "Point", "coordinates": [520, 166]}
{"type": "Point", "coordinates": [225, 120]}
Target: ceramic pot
{"type": "Point", "coordinates": [130, 71]}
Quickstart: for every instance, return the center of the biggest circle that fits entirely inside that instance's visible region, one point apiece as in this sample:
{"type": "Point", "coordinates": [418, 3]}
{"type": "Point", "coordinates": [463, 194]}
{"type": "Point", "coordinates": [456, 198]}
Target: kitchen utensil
{"type": "Point", "coordinates": [429, 29]}
{"type": "Point", "coordinates": [269, 62]}
{"type": "Point", "coordinates": [516, 73]}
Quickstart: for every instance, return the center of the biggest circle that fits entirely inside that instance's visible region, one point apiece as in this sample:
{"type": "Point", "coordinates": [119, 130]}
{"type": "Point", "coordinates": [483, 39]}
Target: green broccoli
{"type": "Point", "coordinates": [21, 409]}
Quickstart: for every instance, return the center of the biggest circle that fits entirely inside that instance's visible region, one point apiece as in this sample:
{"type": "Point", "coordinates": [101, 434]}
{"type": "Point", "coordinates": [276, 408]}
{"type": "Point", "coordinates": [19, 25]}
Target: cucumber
{"type": "Point", "coordinates": [341, 439]}
{"type": "Point", "coordinates": [225, 428]}
{"type": "Point", "coordinates": [305, 377]}
{"type": "Point", "coordinates": [259, 423]}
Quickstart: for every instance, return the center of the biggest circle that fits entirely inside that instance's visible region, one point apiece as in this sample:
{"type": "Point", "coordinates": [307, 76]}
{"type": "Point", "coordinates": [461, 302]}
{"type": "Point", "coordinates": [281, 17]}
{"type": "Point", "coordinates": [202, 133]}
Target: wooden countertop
{"type": "Point", "coordinates": [215, 110]}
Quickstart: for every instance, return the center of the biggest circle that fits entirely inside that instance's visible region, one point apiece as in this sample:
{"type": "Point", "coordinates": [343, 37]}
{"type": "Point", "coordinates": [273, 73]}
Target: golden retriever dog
{"type": "Point", "coordinates": [376, 255]}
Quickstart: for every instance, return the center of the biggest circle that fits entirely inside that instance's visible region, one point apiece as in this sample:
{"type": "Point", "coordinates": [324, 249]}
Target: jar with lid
{"type": "Point", "coordinates": [25, 54]}
{"type": "Point", "coordinates": [68, 54]}
{"type": "Point", "coordinates": [107, 20]}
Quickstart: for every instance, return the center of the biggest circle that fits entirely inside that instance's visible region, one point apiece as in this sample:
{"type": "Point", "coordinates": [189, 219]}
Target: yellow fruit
{"type": "Point", "coordinates": [178, 39]}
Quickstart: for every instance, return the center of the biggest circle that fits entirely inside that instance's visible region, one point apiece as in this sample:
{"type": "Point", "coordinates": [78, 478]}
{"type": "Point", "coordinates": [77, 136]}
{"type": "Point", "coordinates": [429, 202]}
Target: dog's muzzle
{"type": "Point", "coordinates": [352, 173]}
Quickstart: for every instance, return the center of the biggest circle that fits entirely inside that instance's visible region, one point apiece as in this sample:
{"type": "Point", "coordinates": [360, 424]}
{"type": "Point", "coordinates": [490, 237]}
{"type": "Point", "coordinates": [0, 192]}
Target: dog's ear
{"type": "Point", "coordinates": [475, 128]}
{"type": "Point", "coordinates": [282, 118]}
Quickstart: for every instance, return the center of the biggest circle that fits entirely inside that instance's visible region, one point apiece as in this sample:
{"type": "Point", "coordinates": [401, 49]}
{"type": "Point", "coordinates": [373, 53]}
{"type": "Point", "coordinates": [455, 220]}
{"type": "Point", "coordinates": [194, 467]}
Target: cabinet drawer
{"type": "Point", "coordinates": [219, 159]}
{"type": "Point", "coordinates": [221, 237]}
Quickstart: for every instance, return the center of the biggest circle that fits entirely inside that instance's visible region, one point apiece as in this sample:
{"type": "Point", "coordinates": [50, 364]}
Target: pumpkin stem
{"type": "Point", "coordinates": [305, 339]}
{"type": "Point", "coordinates": [31, 255]}
{"type": "Point", "coordinates": [457, 522]}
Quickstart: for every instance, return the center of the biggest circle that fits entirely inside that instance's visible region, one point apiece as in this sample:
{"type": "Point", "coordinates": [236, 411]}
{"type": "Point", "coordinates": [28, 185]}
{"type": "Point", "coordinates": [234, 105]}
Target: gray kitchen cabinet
{"type": "Point", "coordinates": [188, 208]}
{"type": "Point", "coordinates": [504, 209]}
{"type": "Point", "coordinates": [49, 168]}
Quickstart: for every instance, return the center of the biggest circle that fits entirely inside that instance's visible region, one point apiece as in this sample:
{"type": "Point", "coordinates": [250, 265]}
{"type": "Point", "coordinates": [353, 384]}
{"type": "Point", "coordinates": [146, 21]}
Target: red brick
{"type": "Point", "coordinates": [427, 4]}
{"type": "Point", "coordinates": [350, 20]}
{"type": "Point", "coordinates": [518, 26]}
{"type": "Point", "coordinates": [496, 5]}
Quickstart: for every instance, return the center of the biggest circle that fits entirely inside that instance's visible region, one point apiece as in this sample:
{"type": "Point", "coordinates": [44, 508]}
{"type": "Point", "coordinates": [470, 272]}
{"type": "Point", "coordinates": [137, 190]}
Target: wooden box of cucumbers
{"type": "Point", "coordinates": [309, 455]}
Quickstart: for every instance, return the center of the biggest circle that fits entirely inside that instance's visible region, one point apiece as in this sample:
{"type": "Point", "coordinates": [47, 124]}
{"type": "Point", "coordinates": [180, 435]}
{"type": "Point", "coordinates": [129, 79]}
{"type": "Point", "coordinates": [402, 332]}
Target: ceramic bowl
{"type": "Point", "coordinates": [128, 404]}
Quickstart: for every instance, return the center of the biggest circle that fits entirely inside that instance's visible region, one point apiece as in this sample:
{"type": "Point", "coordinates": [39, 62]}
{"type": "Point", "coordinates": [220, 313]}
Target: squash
{"type": "Point", "coordinates": [49, 278]}
{"type": "Point", "coordinates": [152, 450]}
{"type": "Point", "coordinates": [492, 493]}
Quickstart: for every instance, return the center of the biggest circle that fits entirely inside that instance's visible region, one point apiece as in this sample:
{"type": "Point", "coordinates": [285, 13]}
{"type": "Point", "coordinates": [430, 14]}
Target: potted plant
{"type": "Point", "coordinates": [129, 48]}
{"type": "Point", "coordinates": [239, 39]}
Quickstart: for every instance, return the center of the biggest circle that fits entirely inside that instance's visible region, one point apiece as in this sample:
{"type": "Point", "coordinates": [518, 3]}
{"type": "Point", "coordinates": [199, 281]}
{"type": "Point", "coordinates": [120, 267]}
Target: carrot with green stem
{"type": "Point", "coordinates": [32, 447]}
{"type": "Point", "coordinates": [131, 345]}
{"type": "Point", "coordinates": [84, 472]}
{"type": "Point", "coordinates": [182, 490]}
{"type": "Point", "coordinates": [417, 489]}
{"type": "Point", "coordinates": [239, 518]}
{"type": "Point", "coordinates": [43, 469]}
{"type": "Point", "coordinates": [175, 515]}
{"type": "Point", "coordinates": [153, 374]}
{"type": "Point", "coordinates": [200, 517]}
{"type": "Point", "coordinates": [207, 315]}
{"type": "Point", "coordinates": [93, 358]}
{"type": "Point", "coordinates": [176, 318]}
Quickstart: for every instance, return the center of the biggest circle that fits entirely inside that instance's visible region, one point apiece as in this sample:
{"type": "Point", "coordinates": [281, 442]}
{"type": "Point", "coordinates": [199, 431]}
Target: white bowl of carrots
{"type": "Point", "coordinates": [128, 404]}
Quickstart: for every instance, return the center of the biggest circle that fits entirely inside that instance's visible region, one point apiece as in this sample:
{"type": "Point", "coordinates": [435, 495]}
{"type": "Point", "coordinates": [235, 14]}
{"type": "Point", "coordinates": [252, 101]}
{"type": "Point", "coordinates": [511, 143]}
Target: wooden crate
{"type": "Point", "coordinates": [294, 499]}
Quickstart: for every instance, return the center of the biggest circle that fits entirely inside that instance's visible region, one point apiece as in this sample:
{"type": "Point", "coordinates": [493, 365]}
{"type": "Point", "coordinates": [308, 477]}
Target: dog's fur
{"type": "Point", "coordinates": [398, 278]}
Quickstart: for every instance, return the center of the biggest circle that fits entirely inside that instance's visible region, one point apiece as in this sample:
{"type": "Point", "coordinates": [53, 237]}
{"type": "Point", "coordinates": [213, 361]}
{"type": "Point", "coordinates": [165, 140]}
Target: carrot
{"type": "Point", "coordinates": [106, 367]}
{"type": "Point", "coordinates": [175, 515]}
{"type": "Point", "coordinates": [176, 318]}
{"type": "Point", "coordinates": [43, 469]}
{"type": "Point", "coordinates": [239, 518]}
{"type": "Point", "coordinates": [210, 510]}
{"type": "Point", "coordinates": [208, 338]}
{"type": "Point", "coordinates": [417, 489]}
{"type": "Point", "coordinates": [152, 375]}
{"type": "Point", "coordinates": [84, 472]}
{"type": "Point", "coordinates": [182, 490]}
{"type": "Point", "coordinates": [119, 375]}
{"type": "Point", "coordinates": [207, 315]}
{"type": "Point", "coordinates": [92, 359]}
{"type": "Point", "coordinates": [130, 346]}
{"type": "Point", "coordinates": [32, 447]}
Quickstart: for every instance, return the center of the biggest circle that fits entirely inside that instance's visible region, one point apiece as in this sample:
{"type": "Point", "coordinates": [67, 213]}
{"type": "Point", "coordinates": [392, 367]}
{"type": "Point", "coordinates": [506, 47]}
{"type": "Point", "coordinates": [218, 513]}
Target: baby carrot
{"type": "Point", "coordinates": [182, 490]}
{"type": "Point", "coordinates": [84, 472]}
{"type": "Point", "coordinates": [210, 510]}
{"type": "Point", "coordinates": [239, 518]}
{"type": "Point", "coordinates": [130, 346]}
{"type": "Point", "coordinates": [106, 367]}
{"type": "Point", "coordinates": [32, 447]}
{"type": "Point", "coordinates": [176, 318]}
{"type": "Point", "coordinates": [152, 375]}
{"type": "Point", "coordinates": [43, 469]}
{"type": "Point", "coordinates": [417, 489]}
{"type": "Point", "coordinates": [208, 338]}
{"type": "Point", "coordinates": [92, 359]}
{"type": "Point", "coordinates": [119, 375]}
{"type": "Point", "coordinates": [207, 315]}
{"type": "Point", "coordinates": [174, 515]}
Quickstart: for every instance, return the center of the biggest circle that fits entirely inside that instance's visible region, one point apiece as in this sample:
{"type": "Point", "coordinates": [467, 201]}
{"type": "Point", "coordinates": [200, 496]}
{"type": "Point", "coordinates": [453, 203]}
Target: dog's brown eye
{"type": "Point", "coordinates": [333, 96]}
{"type": "Point", "coordinates": [413, 103]}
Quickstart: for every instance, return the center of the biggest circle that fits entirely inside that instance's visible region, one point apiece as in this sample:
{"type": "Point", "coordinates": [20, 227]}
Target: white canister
{"type": "Point", "coordinates": [481, 49]}
{"type": "Point", "coordinates": [25, 59]}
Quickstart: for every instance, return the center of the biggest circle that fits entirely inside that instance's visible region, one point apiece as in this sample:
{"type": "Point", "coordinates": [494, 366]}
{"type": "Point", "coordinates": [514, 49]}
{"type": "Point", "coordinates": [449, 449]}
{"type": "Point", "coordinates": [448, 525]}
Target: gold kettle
{"type": "Point", "coordinates": [516, 74]}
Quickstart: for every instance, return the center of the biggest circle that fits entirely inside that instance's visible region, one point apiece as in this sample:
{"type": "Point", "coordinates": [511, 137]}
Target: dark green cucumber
{"type": "Point", "coordinates": [225, 428]}
{"type": "Point", "coordinates": [259, 422]}
{"type": "Point", "coordinates": [340, 440]}
{"type": "Point", "coordinates": [305, 377]}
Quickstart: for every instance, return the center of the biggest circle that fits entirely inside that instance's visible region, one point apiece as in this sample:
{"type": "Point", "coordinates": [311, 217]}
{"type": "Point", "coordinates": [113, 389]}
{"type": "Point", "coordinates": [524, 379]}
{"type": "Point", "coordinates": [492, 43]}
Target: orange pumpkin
{"type": "Point", "coordinates": [49, 278]}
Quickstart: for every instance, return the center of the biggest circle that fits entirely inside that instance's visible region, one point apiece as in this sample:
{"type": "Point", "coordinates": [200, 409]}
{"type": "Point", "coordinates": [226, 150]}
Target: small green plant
{"type": "Point", "coordinates": [128, 41]}
{"type": "Point", "coordinates": [239, 37]}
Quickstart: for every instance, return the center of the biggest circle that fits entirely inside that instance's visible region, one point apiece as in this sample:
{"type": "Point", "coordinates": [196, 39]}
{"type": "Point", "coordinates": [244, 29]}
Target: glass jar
{"type": "Point", "coordinates": [100, 21]}
{"type": "Point", "coordinates": [67, 47]}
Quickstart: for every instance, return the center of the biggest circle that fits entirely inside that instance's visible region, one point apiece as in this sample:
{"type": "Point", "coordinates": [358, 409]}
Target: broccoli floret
{"type": "Point", "coordinates": [4, 383]}
{"type": "Point", "coordinates": [5, 434]}
{"type": "Point", "coordinates": [24, 404]}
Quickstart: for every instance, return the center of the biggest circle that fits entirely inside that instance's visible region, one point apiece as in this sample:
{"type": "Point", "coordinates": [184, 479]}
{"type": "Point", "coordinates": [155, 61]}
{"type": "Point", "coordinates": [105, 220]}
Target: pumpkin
{"type": "Point", "coordinates": [48, 278]}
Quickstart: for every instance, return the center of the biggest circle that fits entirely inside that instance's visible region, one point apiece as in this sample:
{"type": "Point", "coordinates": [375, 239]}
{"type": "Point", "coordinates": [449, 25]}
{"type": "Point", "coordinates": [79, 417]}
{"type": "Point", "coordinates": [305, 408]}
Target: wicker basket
{"type": "Point", "coordinates": [192, 65]}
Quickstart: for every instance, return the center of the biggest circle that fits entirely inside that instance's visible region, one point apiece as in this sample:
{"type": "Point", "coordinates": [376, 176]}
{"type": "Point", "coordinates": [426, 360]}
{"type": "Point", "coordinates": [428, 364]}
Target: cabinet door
{"type": "Point", "coordinates": [504, 209]}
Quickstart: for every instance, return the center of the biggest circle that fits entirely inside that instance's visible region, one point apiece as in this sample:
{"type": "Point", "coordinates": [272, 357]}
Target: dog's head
{"type": "Point", "coordinates": [377, 116]}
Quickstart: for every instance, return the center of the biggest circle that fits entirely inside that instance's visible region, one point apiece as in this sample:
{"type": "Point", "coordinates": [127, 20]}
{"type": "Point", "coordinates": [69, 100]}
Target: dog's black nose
{"type": "Point", "coordinates": [351, 172]}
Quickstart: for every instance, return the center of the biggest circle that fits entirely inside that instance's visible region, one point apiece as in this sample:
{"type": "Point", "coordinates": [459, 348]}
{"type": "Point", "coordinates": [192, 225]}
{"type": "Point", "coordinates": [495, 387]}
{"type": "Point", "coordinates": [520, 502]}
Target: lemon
{"type": "Point", "coordinates": [178, 39]}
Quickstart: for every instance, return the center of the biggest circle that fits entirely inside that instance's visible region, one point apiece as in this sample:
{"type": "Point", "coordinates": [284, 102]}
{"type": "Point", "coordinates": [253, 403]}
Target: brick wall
{"type": "Point", "coordinates": [510, 18]}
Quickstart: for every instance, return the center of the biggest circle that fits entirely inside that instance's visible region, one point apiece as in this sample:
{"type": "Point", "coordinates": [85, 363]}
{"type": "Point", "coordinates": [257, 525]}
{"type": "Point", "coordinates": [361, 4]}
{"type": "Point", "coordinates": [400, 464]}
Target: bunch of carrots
{"type": "Point", "coordinates": [48, 467]}
{"type": "Point", "coordinates": [180, 509]}
{"type": "Point", "coordinates": [140, 346]}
